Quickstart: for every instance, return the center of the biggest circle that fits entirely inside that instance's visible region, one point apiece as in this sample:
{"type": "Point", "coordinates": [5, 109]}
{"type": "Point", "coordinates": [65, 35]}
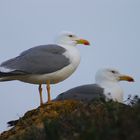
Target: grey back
{"type": "Point", "coordinates": [83, 93]}
{"type": "Point", "coordinates": [39, 60]}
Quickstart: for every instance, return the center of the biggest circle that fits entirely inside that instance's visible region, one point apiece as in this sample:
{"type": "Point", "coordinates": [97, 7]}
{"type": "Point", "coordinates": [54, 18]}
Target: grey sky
{"type": "Point", "coordinates": [112, 27]}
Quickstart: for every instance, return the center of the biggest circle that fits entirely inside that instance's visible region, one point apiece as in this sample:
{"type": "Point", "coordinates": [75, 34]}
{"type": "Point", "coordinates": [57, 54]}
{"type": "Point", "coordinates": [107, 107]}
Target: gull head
{"type": "Point", "coordinates": [69, 38]}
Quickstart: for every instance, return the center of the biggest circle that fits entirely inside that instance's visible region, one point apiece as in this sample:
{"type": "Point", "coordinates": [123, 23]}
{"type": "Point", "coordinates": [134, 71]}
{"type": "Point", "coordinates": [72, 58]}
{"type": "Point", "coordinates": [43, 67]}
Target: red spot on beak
{"type": "Point", "coordinates": [86, 42]}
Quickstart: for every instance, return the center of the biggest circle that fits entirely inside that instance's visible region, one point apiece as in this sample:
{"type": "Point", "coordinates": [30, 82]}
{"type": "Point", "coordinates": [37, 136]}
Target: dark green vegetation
{"type": "Point", "coordinates": [72, 120]}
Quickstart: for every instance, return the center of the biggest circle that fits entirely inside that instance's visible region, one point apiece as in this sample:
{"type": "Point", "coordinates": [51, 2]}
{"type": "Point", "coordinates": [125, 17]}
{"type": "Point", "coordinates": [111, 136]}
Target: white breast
{"type": "Point", "coordinates": [113, 91]}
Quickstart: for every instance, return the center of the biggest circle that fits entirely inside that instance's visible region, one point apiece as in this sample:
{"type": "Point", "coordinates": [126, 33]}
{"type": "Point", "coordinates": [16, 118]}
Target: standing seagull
{"type": "Point", "coordinates": [106, 86]}
{"type": "Point", "coordinates": [45, 64]}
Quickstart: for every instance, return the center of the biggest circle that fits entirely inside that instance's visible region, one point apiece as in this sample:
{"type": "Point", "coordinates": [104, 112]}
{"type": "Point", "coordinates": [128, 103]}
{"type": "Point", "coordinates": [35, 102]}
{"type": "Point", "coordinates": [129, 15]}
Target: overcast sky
{"type": "Point", "coordinates": [111, 26]}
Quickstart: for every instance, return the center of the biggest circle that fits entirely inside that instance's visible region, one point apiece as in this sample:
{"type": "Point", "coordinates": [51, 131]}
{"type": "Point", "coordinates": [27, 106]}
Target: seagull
{"type": "Point", "coordinates": [45, 64]}
{"type": "Point", "coordinates": [106, 86]}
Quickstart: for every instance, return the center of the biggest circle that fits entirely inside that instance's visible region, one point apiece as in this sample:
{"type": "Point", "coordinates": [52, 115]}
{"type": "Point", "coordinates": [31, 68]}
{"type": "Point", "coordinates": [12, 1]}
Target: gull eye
{"type": "Point", "coordinates": [113, 71]}
{"type": "Point", "coordinates": [70, 35]}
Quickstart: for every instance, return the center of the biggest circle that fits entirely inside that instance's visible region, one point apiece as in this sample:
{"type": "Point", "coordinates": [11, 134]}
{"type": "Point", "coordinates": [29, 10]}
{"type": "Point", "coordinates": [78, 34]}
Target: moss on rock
{"type": "Point", "coordinates": [73, 120]}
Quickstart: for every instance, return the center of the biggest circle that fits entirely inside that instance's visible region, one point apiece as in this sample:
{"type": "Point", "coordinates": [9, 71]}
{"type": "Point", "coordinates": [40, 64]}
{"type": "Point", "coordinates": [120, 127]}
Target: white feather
{"type": "Point", "coordinates": [6, 70]}
{"type": "Point", "coordinates": [110, 82]}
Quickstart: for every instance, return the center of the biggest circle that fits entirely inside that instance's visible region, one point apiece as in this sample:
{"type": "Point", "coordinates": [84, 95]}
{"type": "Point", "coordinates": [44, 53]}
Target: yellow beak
{"type": "Point", "coordinates": [126, 78]}
{"type": "Point", "coordinates": [82, 41]}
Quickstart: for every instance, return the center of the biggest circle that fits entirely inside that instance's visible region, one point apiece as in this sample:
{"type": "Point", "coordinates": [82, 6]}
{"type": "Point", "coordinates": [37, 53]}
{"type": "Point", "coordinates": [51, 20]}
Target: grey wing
{"type": "Point", "coordinates": [83, 93]}
{"type": "Point", "coordinates": [39, 60]}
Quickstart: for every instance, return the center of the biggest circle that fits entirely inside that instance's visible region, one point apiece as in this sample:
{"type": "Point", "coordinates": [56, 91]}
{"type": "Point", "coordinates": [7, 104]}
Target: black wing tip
{"type": "Point", "coordinates": [12, 123]}
{"type": "Point", "coordinates": [12, 73]}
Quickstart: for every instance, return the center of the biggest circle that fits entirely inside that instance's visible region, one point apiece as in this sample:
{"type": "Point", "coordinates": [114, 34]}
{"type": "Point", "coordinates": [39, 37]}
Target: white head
{"type": "Point", "coordinates": [111, 75]}
{"type": "Point", "coordinates": [108, 79]}
{"type": "Point", "coordinates": [68, 38]}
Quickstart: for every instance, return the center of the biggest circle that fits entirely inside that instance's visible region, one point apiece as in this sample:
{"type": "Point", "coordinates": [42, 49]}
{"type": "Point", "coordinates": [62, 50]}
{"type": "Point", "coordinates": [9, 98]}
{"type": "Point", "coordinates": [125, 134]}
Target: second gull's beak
{"type": "Point", "coordinates": [126, 78]}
